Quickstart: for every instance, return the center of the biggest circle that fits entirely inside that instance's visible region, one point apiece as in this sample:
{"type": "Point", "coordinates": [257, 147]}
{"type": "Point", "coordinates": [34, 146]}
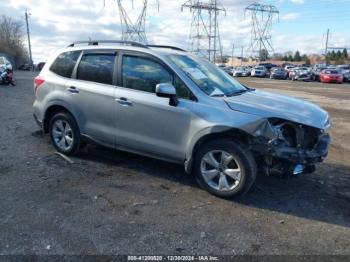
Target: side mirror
{"type": "Point", "coordinates": [169, 91]}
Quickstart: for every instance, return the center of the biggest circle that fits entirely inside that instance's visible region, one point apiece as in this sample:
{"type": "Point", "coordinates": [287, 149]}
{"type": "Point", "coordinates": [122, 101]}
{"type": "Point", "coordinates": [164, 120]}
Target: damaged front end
{"type": "Point", "coordinates": [285, 147]}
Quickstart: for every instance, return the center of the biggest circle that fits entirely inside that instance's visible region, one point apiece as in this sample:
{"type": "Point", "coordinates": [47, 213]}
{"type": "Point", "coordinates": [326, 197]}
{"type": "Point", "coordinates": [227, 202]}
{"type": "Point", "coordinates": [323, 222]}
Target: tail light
{"type": "Point", "coordinates": [38, 81]}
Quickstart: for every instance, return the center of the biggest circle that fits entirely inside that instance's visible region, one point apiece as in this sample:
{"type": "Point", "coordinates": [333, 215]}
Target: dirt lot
{"type": "Point", "coordinates": [110, 202]}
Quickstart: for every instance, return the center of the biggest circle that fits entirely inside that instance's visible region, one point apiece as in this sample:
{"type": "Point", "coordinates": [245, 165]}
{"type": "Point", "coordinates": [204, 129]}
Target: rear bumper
{"type": "Point", "coordinates": [40, 123]}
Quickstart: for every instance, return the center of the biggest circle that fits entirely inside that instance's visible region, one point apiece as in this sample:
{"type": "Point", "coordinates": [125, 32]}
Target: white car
{"type": "Point", "coordinates": [4, 63]}
{"type": "Point", "coordinates": [259, 71]}
{"type": "Point", "coordinates": [241, 71]}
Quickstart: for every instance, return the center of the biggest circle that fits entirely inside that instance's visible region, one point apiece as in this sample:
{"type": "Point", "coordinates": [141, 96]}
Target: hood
{"type": "Point", "coordinates": [271, 105]}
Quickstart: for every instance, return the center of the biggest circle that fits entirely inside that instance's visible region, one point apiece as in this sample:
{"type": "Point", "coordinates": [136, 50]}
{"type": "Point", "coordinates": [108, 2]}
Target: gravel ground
{"type": "Point", "coordinates": [110, 202]}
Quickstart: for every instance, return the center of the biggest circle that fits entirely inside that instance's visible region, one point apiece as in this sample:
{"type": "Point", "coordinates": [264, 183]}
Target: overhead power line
{"type": "Point", "coordinates": [134, 30]}
{"type": "Point", "coordinates": [261, 28]}
{"type": "Point", "coordinates": [205, 34]}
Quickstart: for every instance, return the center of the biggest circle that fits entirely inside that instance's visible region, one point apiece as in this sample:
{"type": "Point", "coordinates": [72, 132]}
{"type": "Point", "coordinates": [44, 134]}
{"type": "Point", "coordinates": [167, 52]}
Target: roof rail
{"type": "Point", "coordinates": [167, 46]}
{"type": "Point", "coordinates": [97, 42]}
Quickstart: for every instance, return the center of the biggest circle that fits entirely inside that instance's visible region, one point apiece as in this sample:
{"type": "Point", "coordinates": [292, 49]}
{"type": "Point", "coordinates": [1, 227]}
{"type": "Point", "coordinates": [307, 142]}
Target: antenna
{"type": "Point", "coordinates": [205, 35]}
{"type": "Point", "coordinates": [134, 30]}
{"type": "Point", "coordinates": [261, 34]}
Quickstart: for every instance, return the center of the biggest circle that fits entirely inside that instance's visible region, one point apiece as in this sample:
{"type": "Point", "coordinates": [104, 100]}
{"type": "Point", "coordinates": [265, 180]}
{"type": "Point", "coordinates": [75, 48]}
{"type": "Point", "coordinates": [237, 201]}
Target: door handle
{"type": "Point", "coordinates": [124, 101]}
{"type": "Point", "coordinates": [73, 89]}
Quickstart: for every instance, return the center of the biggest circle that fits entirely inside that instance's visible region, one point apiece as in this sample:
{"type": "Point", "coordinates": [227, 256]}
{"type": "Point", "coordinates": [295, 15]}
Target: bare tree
{"type": "Point", "coordinates": [11, 39]}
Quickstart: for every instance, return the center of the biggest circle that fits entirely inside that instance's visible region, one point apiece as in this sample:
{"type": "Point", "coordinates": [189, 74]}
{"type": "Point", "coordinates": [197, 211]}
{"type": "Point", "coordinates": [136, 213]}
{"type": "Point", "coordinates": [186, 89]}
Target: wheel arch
{"type": "Point", "coordinates": [221, 132]}
{"type": "Point", "coordinates": [50, 112]}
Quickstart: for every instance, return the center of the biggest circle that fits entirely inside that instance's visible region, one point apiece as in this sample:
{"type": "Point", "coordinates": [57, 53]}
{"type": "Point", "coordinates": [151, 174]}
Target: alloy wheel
{"type": "Point", "coordinates": [62, 134]}
{"type": "Point", "coordinates": [220, 170]}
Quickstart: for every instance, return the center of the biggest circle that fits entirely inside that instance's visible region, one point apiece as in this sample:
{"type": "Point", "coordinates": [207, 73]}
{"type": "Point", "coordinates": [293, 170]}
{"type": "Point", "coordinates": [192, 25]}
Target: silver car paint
{"type": "Point", "coordinates": [150, 126]}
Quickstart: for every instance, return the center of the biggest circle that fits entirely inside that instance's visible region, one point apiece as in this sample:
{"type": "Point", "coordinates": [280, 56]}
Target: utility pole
{"type": "Point", "coordinates": [242, 55]}
{"type": "Point", "coordinates": [233, 49]}
{"type": "Point", "coordinates": [29, 45]}
{"type": "Point", "coordinates": [327, 38]}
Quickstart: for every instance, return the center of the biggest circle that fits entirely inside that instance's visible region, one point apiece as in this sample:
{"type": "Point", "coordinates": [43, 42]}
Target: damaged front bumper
{"type": "Point", "coordinates": [288, 147]}
{"type": "Point", "coordinates": [299, 155]}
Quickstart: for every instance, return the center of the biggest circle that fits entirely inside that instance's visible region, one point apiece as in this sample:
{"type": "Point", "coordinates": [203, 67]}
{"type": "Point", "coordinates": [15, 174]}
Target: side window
{"type": "Point", "coordinates": [143, 74]}
{"type": "Point", "coordinates": [64, 63]}
{"type": "Point", "coordinates": [96, 68]}
{"type": "Point", "coordinates": [181, 89]}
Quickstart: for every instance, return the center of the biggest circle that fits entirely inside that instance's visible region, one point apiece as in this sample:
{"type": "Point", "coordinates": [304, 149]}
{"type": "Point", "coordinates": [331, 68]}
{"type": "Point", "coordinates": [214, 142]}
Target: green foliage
{"type": "Point", "coordinates": [11, 39]}
{"type": "Point", "coordinates": [339, 57]}
{"type": "Point", "coordinates": [297, 56]}
{"type": "Point", "coordinates": [263, 55]}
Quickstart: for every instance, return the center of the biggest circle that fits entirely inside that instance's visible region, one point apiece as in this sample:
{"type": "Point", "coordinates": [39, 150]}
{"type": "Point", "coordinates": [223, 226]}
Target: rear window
{"type": "Point", "coordinates": [96, 68]}
{"type": "Point", "coordinates": [64, 63]}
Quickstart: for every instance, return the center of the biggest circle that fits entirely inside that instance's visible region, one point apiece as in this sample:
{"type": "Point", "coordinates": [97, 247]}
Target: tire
{"type": "Point", "coordinates": [241, 159]}
{"type": "Point", "coordinates": [64, 123]}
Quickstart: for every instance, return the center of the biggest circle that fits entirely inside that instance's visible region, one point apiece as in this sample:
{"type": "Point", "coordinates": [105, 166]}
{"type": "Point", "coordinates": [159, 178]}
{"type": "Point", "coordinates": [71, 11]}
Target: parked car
{"type": "Point", "coordinates": [278, 73]}
{"type": "Point", "coordinates": [25, 67]}
{"type": "Point", "coordinates": [315, 73]}
{"type": "Point", "coordinates": [300, 73]}
{"type": "Point", "coordinates": [259, 71]}
{"type": "Point", "coordinates": [4, 63]}
{"type": "Point", "coordinates": [268, 66]}
{"type": "Point", "coordinates": [40, 66]}
{"type": "Point", "coordinates": [331, 76]}
{"type": "Point", "coordinates": [288, 68]}
{"type": "Point", "coordinates": [346, 75]}
{"type": "Point", "coordinates": [175, 106]}
{"type": "Point", "coordinates": [228, 69]}
{"type": "Point", "coordinates": [241, 71]}
{"type": "Point", "coordinates": [345, 70]}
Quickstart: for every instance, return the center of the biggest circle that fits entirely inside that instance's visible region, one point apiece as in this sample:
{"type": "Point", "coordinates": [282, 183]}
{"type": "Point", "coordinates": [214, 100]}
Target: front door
{"type": "Point", "coordinates": [145, 122]}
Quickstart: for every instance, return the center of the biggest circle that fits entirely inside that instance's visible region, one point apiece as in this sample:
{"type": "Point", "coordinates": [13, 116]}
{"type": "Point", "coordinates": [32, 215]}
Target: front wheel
{"type": "Point", "coordinates": [225, 168]}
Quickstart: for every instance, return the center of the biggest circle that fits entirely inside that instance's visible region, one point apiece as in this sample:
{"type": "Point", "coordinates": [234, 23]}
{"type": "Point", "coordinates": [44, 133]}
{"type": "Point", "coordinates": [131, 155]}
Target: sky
{"type": "Point", "coordinates": [301, 24]}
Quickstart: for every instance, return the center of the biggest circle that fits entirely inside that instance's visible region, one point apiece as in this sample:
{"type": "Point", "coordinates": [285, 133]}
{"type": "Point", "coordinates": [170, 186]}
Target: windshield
{"type": "Point", "coordinates": [331, 72]}
{"type": "Point", "coordinates": [207, 76]}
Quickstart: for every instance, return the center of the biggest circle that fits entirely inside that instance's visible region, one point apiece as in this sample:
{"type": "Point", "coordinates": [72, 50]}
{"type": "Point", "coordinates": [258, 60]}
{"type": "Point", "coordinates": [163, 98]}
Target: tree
{"type": "Point", "coordinates": [263, 55]}
{"type": "Point", "coordinates": [345, 53]}
{"type": "Point", "coordinates": [297, 56]}
{"type": "Point", "coordinates": [307, 61]}
{"type": "Point", "coordinates": [11, 39]}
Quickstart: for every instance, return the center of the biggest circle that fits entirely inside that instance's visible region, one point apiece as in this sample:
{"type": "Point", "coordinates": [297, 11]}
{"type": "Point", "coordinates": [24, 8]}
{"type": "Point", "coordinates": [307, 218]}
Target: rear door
{"type": "Point", "coordinates": [145, 122]}
{"type": "Point", "coordinates": [91, 91]}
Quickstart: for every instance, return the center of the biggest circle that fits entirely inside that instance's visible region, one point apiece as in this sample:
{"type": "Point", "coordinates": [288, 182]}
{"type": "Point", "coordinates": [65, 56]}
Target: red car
{"type": "Point", "coordinates": [331, 76]}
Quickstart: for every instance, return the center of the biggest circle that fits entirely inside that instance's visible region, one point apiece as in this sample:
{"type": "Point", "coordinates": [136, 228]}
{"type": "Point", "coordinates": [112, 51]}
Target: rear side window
{"type": "Point", "coordinates": [64, 63]}
{"type": "Point", "coordinates": [143, 74]}
{"type": "Point", "coordinates": [96, 68]}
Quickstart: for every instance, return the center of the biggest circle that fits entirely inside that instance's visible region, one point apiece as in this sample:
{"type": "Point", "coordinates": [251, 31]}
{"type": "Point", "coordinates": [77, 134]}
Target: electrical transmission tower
{"type": "Point", "coordinates": [261, 35]}
{"type": "Point", "coordinates": [205, 35]}
{"type": "Point", "coordinates": [134, 31]}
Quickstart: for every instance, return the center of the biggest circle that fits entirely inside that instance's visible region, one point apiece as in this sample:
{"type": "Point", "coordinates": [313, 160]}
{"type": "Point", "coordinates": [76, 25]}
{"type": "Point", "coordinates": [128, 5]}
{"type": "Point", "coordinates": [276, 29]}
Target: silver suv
{"type": "Point", "coordinates": [163, 102]}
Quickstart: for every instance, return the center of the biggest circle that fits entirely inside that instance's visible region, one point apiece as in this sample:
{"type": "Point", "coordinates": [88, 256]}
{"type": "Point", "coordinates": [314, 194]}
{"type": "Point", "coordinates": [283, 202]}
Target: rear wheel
{"type": "Point", "coordinates": [224, 168]}
{"type": "Point", "coordinates": [64, 133]}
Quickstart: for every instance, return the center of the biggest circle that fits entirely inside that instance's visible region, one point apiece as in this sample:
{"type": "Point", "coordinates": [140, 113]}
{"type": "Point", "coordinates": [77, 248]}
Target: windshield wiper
{"type": "Point", "coordinates": [235, 93]}
{"type": "Point", "coordinates": [217, 95]}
